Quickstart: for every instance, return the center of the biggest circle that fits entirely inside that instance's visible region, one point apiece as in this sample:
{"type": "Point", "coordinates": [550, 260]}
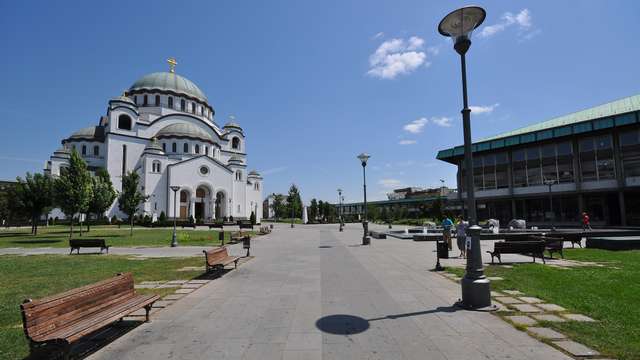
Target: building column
{"type": "Point", "coordinates": [619, 177]}
{"type": "Point", "coordinates": [192, 207]}
{"type": "Point", "coordinates": [623, 209]}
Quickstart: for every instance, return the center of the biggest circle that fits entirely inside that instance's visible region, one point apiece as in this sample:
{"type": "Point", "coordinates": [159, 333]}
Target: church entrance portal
{"type": "Point", "coordinates": [221, 205]}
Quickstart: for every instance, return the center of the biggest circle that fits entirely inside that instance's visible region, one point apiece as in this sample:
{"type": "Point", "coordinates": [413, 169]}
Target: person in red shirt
{"type": "Point", "coordinates": [586, 222]}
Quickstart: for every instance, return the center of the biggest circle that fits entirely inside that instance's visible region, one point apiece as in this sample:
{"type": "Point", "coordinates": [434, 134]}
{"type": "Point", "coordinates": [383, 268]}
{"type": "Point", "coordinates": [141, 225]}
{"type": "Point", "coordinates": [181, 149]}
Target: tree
{"type": "Point", "coordinates": [294, 203]}
{"type": "Point", "coordinates": [131, 197]}
{"type": "Point", "coordinates": [73, 189]}
{"type": "Point", "coordinates": [252, 218]}
{"type": "Point", "coordinates": [33, 197]}
{"type": "Point", "coordinates": [103, 194]}
{"type": "Point", "coordinates": [321, 213]}
{"type": "Point", "coordinates": [373, 212]}
{"type": "Point", "coordinates": [278, 206]}
{"type": "Point", "coordinates": [313, 210]}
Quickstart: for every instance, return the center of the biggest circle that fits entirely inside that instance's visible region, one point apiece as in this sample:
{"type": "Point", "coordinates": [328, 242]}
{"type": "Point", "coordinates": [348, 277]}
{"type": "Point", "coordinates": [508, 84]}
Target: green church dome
{"type": "Point", "coordinates": [167, 81]}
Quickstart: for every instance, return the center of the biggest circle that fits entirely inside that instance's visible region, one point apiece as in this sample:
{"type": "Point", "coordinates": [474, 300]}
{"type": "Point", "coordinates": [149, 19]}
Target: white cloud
{"type": "Point", "coordinates": [521, 20]}
{"type": "Point", "coordinates": [483, 109]}
{"type": "Point", "coordinates": [407, 142]}
{"type": "Point", "coordinates": [378, 35]}
{"type": "Point", "coordinates": [416, 126]}
{"type": "Point", "coordinates": [398, 56]}
{"type": "Point", "coordinates": [441, 121]}
{"type": "Point", "coordinates": [390, 183]}
{"type": "Point", "coordinates": [273, 170]}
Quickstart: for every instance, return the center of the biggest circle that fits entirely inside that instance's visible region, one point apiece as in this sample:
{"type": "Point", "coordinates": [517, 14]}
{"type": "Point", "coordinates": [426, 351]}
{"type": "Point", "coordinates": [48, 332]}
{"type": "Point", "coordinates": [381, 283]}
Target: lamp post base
{"type": "Point", "coordinates": [292, 226]}
{"type": "Point", "coordinates": [476, 293]}
{"type": "Point", "coordinates": [366, 240]}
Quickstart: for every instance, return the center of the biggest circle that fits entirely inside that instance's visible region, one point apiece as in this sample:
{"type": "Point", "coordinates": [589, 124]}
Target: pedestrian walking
{"type": "Point", "coordinates": [446, 231]}
{"type": "Point", "coordinates": [461, 236]}
{"type": "Point", "coordinates": [586, 222]}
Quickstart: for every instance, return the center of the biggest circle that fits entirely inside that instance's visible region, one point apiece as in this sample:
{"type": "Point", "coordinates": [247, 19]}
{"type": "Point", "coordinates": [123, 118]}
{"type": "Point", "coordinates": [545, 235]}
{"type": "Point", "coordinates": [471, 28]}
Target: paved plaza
{"type": "Point", "coordinates": [315, 293]}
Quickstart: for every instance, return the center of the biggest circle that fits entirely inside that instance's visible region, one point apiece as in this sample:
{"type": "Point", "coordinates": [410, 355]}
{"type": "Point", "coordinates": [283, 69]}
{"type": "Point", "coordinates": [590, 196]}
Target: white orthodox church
{"type": "Point", "coordinates": [163, 127]}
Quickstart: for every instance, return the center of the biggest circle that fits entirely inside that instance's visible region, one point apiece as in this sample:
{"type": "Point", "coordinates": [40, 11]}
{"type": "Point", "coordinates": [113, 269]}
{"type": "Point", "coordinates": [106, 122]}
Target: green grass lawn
{"type": "Point", "coordinates": [58, 236]}
{"type": "Point", "coordinates": [42, 275]}
{"type": "Point", "coordinates": [608, 294]}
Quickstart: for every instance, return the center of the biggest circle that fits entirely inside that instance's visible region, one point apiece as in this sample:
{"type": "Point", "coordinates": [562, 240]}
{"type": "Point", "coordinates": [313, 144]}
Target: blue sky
{"type": "Point", "coordinates": [314, 83]}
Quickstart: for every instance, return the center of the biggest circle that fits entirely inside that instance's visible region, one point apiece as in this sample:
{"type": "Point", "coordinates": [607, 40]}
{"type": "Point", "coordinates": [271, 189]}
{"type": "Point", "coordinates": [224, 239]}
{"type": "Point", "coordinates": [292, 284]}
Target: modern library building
{"type": "Point", "coordinates": [587, 161]}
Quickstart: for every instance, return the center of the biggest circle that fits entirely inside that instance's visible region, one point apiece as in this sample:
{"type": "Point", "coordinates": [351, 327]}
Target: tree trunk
{"type": "Point", "coordinates": [71, 230]}
{"type": "Point", "coordinates": [131, 231]}
{"type": "Point", "coordinates": [35, 225]}
{"type": "Point", "coordinates": [88, 224]}
{"type": "Point", "coordinates": [80, 224]}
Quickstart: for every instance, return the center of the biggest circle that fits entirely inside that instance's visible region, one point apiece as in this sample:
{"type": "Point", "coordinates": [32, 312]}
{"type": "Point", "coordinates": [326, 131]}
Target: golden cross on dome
{"type": "Point", "coordinates": [232, 117]}
{"type": "Point", "coordinates": [172, 64]}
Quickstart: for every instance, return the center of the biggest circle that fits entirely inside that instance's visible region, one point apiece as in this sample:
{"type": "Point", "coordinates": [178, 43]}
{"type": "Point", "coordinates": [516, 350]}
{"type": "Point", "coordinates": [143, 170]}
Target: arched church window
{"type": "Point", "coordinates": [155, 166]}
{"type": "Point", "coordinates": [124, 122]}
{"type": "Point", "coordinates": [84, 150]}
{"type": "Point", "coordinates": [174, 147]}
{"type": "Point", "coordinates": [239, 175]}
{"type": "Point", "coordinates": [135, 99]}
{"type": "Point", "coordinates": [197, 149]}
{"type": "Point", "coordinates": [200, 193]}
{"type": "Point", "coordinates": [185, 148]}
{"type": "Point", "coordinates": [96, 150]}
{"type": "Point", "coordinates": [145, 101]}
{"type": "Point", "coordinates": [235, 143]}
{"type": "Point", "coordinates": [206, 150]}
{"type": "Point", "coordinates": [183, 196]}
{"type": "Point", "coordinates": [193, 108]}
{"type": "Point", "coordinates": [170, 100]}
{"type": "Point", "coordinates": [157, 100]}
{"type": "Point", "coordinates": [182, 105]}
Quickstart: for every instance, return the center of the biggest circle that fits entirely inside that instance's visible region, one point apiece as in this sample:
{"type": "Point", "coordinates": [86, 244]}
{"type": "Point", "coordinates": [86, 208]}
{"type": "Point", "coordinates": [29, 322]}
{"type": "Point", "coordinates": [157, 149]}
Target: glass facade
{"type": "Point", "coordinates": [596, 158]}
{"type": "Point", "coordinates": [630, 153]}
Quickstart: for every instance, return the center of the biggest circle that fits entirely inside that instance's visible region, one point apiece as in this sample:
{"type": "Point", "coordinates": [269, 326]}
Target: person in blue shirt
{"type": "Point", "coordinates": [446, 231]}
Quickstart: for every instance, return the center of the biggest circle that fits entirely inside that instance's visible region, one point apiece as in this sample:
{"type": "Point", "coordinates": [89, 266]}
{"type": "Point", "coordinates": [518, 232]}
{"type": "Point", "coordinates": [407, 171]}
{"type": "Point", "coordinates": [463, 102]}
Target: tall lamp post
{"type": "Point", "coordinates": [552, 215]}
{"type": "Point", "coordinates": [363, 160]}
{"type": "Point", "coordinates": [340, 209]}
{"type": "Point", "coordinates": [458, 25]}
{"type": "Point", "coordinates": [174, 239]}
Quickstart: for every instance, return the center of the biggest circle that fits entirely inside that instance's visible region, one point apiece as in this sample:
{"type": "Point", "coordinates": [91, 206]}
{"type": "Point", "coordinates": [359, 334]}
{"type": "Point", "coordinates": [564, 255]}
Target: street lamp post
{"type": "Point", "coordinates": [459, 25]}
{"type": "Point", "coordinates": [340, 209]}
{"type": "Point", "coordinates": [549, 183]}
{"type": "Point", "coordinates": [174, 239]}
{"type": "Point", "coordinates": [363, 160]}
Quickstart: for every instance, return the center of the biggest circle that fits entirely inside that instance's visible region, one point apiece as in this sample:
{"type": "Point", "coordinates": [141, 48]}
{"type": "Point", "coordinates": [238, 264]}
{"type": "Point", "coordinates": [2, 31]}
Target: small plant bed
{"type": "Point", "coordinates": [594, 304]}
{"type": "Point", "coordinates": [58, 236]}
{"type": "Point", "coordinates": [38, 276]}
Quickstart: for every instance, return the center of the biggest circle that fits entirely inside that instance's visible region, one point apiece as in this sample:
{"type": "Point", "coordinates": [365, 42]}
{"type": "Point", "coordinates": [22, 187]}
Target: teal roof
{"type": "Point", "coordinates": [184, 130]}
{"type": "Point", "coordinates": [166, 81]}
{"type": "Point", "coordinates": [625, 105]}
{"type": "Point", "coordinates": [616, 113]}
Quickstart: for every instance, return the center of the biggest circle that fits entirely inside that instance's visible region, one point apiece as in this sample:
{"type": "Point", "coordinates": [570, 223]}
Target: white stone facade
{"type": "Point", "coordinates": [163, 128]}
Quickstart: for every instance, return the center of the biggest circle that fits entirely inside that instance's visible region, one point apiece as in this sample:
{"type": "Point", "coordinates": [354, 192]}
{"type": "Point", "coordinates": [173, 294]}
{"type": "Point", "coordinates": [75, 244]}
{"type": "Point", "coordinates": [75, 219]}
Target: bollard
{"type": "Point", "coordinates": [246, 243]}
{"type": "Point", "coordinates": [476, 289]}
{"type": "Point", "coordinates": [221, 237]}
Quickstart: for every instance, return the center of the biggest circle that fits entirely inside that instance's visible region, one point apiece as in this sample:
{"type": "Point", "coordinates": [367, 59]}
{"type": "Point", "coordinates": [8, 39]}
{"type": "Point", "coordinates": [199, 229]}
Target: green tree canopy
{"type": "Point", "coordinates": [103, 193]}
{"type": "Point", "coordinates": [74, 188]}
{"type": "Point", "coordinates": [294, 202]}
{"type": "Point", "coordinates": [131, 197]}
{"type": "Point", "coordinates": [313, 210]}
{"type": "Point", "coordinates": [278, 206]}
{"type": "Point", "coordinates": [33, 196]}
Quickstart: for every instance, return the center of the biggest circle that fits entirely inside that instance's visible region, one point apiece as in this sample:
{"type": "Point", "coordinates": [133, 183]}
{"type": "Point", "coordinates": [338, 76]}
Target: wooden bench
{"type": "Point", "coordinates": [239, 236]}
{"type": "Point", "coordinates": [574, 238]}
{"type": "Point", "coordinates": [551, 244]}
{"type": "Point", "coordinates": [62, 319]}
{"type": "Point", "coordinates": [245, 225]}
{"type": "Point", "coordinates": [533, 248]}
{"type": "Point", "coordinates": [216, 225]}
{"type": "Point", "coordinates": [217, 259]}
{"type": "Point", "coordinates": [76, 244]}
{"type": "Point", "coordinates": [183, 225]}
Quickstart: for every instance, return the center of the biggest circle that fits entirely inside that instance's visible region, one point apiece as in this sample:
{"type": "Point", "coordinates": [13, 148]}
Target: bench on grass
{"type": "Point", "coordinates": [574, 238]}
{"type": "Point", "coordinates": [216, 259]}
{"type": "Point", "coordinates": [76, 244]}
{"type": "Point", "coordinates": [245, 225]}
{"type": "Point", "coordinates": [551, 244]}
{"type": "Point", "coordinates": [62, 319]}
{"type": "Point", "coordinates": [183, 225]}
{"type": "Point", "coordinates": [533, 248]}
{"type": "Point", "coordinates": [216, 225]}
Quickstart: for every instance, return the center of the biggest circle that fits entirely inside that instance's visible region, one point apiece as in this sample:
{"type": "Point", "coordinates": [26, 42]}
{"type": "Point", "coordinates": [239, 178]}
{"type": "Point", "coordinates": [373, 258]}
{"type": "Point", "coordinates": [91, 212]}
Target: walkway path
{"type": "Point", "coordinates": [314, 293]}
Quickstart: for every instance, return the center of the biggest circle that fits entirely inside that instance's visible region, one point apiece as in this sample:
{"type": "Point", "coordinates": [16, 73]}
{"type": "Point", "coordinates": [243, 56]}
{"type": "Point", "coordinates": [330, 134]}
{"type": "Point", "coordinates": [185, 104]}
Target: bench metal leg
{"type": "Point", "coordinates": [147, 309]}
{"type": "Point", "coordinates": [235, 263]}
{"type": "Point", "coordinates": [490, 253]}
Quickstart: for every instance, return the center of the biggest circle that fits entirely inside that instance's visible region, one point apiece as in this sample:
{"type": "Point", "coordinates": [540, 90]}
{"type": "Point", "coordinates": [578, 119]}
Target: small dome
{"type": "Point", "coordinates": [184, 130]}
{"type": "Point", "coordinates": [95, 133]}
{"type": "Point", "coordinates": [233, 124]}
{"type": "Point", "coordinates": [63, 152]}
{"type": "Point", "coordinates": [235, 160]}
{"type": "Point", "coordinates": [124, 99]}
{"type": "Point", "coordinates": [254, 173]}
{"type": "Point", "coordinates": [154, 148]}
{"type": "Point", "coordinates": [167, 81]}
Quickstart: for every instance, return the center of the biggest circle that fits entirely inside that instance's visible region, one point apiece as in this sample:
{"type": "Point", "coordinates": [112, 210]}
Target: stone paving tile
{"type": "Point", "coordinates": [177, 282]}
{"type": "Point", "coordinates": [549, 317]}
{"type": "Point", "coordinates": [162, 303]}
{"type": "Point", "coordinates": [152, 282]}
{"type": "Point", "coordinates": [508, 300]}
{"type": "Point", "coordinates": [145, 286]}
{"type": "Point", "coordinates": [551, 307]}
{"type": "Point", "coordinates": [184, 291]}
{"type": "Point", "coordinates": [512, 292]}
{"type": "Point", "coordinates": [521, 320]}
{"type": "Point", "coordinates": [496, 293]}
{"type": "Point", "coordinates": [173, 297]}
{"type": "Point", "coordinates": [196, 281]}
{"type": "Point", "coordinates": [578, 317]}
{"type": "Point", "coordinates": [302, 355]}
{"type": "Point", "coordinates": [530, 300]}
{"type": "Point", "coordinates": [191, 286]}
{"type": "Point", "coordinates": [495, 278]}
{"type": "Point", "coordinates": [546, 333]}
{"type": "Point", "coordinates": [165, 286]}
{"type": "Point", "coordinates": [304, 341]}
{"type": "Point", "coordinates": [525, 308]}
{"type": "Point", "coordinates": [575, 348]}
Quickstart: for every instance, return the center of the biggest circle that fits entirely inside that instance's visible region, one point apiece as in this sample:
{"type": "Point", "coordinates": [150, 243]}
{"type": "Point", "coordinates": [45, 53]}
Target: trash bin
{"type": "Point", "coordinates": [443, 250]}
{"type": "Point", "coordinates": [246, 243]}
